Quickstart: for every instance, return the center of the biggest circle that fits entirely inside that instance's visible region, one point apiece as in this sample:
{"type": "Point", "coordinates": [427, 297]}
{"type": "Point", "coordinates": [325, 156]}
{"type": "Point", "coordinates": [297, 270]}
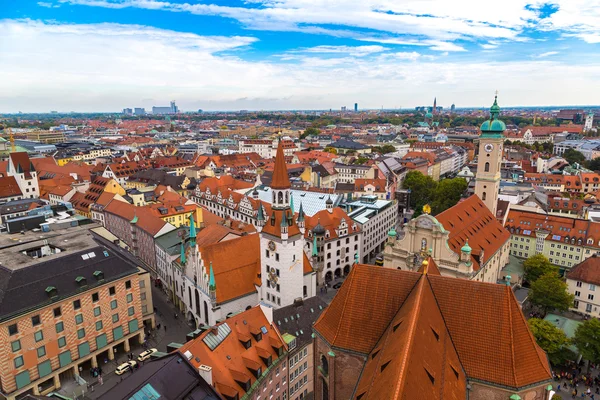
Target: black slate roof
{"type": "Point", "coordinates": [24, 289]}
{"type": "Point", "coordinates": [297, 319]}
{"type": "Point", "coordinates": [171, 376]}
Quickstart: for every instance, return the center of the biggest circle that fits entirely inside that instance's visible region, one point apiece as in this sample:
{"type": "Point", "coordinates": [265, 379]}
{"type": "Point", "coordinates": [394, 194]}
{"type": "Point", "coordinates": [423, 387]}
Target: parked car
{"type": "Point", "coordinates": [126, 366]}
{"type": "Point", "coordinates": [146, 354]}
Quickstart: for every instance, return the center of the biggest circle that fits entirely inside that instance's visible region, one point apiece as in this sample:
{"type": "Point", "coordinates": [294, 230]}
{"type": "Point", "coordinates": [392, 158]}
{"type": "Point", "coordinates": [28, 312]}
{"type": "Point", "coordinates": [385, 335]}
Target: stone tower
{"type": "Point", "coordinates": [487, 181]}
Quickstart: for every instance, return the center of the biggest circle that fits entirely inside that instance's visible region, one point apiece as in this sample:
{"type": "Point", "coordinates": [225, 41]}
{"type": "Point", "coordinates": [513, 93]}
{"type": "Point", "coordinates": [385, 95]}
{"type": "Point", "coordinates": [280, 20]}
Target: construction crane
{"type": "Point", "coordinates": [11, 138]}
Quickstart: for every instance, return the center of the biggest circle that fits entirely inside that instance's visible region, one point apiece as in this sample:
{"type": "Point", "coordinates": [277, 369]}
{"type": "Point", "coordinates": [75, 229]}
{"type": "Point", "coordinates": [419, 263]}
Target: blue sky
{"type": "Point", "coordinates": [103, 55]}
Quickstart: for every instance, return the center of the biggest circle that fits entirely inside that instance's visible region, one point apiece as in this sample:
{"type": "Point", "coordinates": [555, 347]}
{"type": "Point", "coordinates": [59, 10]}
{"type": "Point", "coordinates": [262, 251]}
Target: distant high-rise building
{"type": "Point", "coordinates": [127, 111]}
{"type": "Point", "coordinates": [452, 108]}
{"type": "Point", "coordinates": [589, 122]}
{"type": "Point", "coordinates": [355, 107]}
{"type": "Point", "coordinates": [343, 108]}
{"type": "Point", "coordinates": [435, 105]}
{"type": "Point", "coordinates": [172, 109]}
{"type": "Point", "coordinates": [139, 111]}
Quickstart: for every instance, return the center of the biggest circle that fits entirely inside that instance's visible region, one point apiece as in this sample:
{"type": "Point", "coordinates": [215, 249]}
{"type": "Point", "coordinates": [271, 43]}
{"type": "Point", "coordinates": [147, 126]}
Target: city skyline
{"type": "Point", "coordinates": [104, 55]}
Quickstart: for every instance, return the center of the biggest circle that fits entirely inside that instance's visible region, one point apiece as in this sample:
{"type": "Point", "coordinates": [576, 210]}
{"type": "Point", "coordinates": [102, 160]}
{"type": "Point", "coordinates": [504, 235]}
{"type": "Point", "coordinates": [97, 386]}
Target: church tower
{"type": "Point", "coordinates": [281, 242]}
{"type": "Point", "coordinates": [487, 181]}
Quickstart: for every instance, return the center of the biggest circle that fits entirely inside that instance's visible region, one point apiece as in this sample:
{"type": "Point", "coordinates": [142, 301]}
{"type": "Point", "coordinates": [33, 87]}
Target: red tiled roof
{"type": "Point", "coordinates": [236, 266]}
{"type": "Point", "coordinates": [471, 220]}
{"type": "Point", "coordinates": [145, 220]}
{"type": "Point", "coordinates": [231, 361]}
{"type": "Point", "coordinates": [395, 314]}
{"type": "Point", "coordinates": [9, 187]}
{"type": "Point", "coordinates": [587, 271]}
{"type": "Point", "coordinates": [574, 230]}
{"type": "Point", "coordinates": [330, 221]}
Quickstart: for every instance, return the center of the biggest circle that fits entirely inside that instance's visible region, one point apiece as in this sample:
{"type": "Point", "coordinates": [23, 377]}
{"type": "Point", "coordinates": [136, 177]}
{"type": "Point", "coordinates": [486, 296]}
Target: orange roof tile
{"type": "Point", "coordinates": [471, 220]}
{"type": "Point", "coordinates": [231, 362]}
{"type": "Point", "coordinates": [413, 321]}
{"type": "Point", "coordinates": [236, 266]}
{"type": "Point", "coordinates": [587, 271]}
{"type": "Point", "coordinates": [9, 187]}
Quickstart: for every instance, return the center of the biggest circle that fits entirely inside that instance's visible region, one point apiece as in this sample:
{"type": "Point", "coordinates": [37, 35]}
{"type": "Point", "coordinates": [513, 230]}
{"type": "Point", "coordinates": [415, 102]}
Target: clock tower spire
{"type": "Point", "coordinates": [489, 162]}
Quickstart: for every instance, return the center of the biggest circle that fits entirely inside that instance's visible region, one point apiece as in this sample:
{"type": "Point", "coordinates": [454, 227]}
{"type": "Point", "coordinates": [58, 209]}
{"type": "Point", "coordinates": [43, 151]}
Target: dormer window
{"type": "Point", "coordinates": [81, 281]}
{"type": "Point", "coordinates": [51, 291]}
{"type": "Point", "coordinates": [99, 275]}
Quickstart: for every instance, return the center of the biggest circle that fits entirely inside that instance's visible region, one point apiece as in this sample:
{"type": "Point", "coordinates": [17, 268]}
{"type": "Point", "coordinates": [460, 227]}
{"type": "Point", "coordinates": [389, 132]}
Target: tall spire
{"type": "Point", "coordinates": [192, 230]}
{"type": "Point", "coordinates": [292, 203]}
{"type": "Point", "coordinates": [182, 255]}
{"type": "Point", "coordinates": [212, 285]}
{"type": "Point", "coordinates": [300, 213]}
{"type": "Point", "coordinates": [280, 174]}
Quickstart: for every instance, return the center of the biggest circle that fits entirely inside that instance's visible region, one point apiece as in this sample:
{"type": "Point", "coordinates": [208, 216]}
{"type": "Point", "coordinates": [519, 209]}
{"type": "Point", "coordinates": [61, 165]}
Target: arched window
{"type": "Point", "coordinates": [280, 198]}
{"type": "Point", "coordinates": [487, 167]}
{"type": "Point", "coordinates": [197, 303]}
{"type": "Point", "coordinates": [287, 199]}
{"type": "Point", "coordinates": [206, 313]}
{"type": "Point", "coordinates": [483, 196]}
{"type": "Point", "coordinates": [324, 365]}
{"type": "Point", "coordinates": [273, 197]}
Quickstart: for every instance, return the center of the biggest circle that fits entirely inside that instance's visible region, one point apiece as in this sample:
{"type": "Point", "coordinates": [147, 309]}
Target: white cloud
{"type": "Point", "coordinates": [105, 67]}
{"type": "Point", "coordinates": [434, 19]}
{"type": "Point", "coordinates": [47, 5]}
{"type": "Point", "coordinates": [546, 54]}
{"type": "Point", "coordinates": [489, 46]}
{"type": "Point", "coordinates": [356, 51]}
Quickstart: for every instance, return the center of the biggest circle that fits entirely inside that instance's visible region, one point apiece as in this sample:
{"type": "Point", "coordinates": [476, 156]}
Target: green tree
{"type": "Point", "coordinates": [550, 338]}
{"type": "Point", "coordinates": [594, 165]}
{"type": "Point", "coordinates": [310, 131]}
{"type": "Point", "coordinates": [386, 148]}
{"type": "Point", "coordinates": [422, 189]}
{"type": "Point", "coordinates": [447, 193]}
{"type": "Point", "coordinates": [536, 266]}
{"type": "Point", "coordinates": [587, 339]}
{"type": "Point", "coordinates": [550, 293]}
{"type": "Point", "coordinates": [573, 156]}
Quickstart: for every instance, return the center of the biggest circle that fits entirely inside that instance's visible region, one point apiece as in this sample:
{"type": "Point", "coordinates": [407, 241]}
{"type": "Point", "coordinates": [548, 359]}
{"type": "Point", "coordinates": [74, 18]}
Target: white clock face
{"type": "Point", "coordinates": [489, 147]}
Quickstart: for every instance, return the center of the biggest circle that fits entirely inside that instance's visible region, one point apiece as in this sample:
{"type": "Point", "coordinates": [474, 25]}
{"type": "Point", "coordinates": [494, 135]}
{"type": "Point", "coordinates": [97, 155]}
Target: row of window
{"type": "Point", "coordinates": [37, 320]}
{"type": "Point", "coordinates": [65, 358]}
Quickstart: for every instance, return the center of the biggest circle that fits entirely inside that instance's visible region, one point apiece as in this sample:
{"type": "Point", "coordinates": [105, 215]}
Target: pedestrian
{"type": "Point", "coordinates": [165, 328]}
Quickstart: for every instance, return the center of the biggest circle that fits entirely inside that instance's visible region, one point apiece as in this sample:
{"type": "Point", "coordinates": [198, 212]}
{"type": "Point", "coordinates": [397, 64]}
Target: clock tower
{"type": "Point", "coordinates": [487, 181]}
{"type": "Point", "coordinates": [281, 234]}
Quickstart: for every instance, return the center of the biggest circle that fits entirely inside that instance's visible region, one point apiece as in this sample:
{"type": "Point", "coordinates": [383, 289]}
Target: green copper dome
{"type": "Point", "coordinates": [466, 248]}
{"type": "Point", "coordinates": [429, 115]}
{"type": "Point", "coordinates": [493, 126]}
{"type": "Point", "coordinates": [392, 233]}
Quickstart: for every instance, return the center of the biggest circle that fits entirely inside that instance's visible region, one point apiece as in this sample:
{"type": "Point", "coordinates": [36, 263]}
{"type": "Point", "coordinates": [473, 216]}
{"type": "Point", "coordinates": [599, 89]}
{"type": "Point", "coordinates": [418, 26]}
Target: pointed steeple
{"type": "Point", "coordinates": [182, 256]}
{"type": "Point", "coordinates": [301, 214]}
{"type": "Point", "coordinates": [192, 231]}
{"type": "Point", "coordinates": [292, 203]}
{"type": "Point", "coordinates": [280, 174]}
{"type": "Point", "coordinates": [212, 285]}
{"type": "Point", "coordinates": [260, 216]}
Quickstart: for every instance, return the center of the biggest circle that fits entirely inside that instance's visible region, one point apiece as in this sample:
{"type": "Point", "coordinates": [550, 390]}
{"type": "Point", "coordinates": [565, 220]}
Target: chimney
{"type": "Point", "coordinates": [214, 330]}
{"type": "Point", "coordinates": [206, 373]}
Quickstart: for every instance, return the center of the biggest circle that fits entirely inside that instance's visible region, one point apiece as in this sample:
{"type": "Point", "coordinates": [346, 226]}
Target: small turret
{"type": "Point", "coordinates": [255, 194]}
{"type": "Point", "coordinates": [192, 231]}
{"type": "Point", "coordinates": [392, 236]}
{"type": "Point", "coordinates": [329, 204]}
{"type": "Point", "coordinates": [182, 254]}
{"type": "Point", "coordinates": [465, 253]}
{"type": "Point", "coordinates": [260, 218]}
{"type": "Point", "coordinates": [212, 286]}
{"type": "Point", "coordinates": [300, 220]}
